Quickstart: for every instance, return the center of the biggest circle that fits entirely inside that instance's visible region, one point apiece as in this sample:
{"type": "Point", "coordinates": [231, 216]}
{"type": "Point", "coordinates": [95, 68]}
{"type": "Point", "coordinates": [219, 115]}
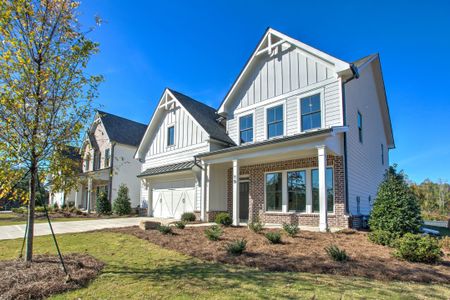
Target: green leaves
{"type": "Point", "coordinates": [396, 209]}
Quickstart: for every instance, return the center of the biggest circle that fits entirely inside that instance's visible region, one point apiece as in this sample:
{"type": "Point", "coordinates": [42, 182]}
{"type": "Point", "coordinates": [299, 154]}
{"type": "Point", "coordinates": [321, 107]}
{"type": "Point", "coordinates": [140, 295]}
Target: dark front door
{"type": "Point", "coordinates": [243, 201]}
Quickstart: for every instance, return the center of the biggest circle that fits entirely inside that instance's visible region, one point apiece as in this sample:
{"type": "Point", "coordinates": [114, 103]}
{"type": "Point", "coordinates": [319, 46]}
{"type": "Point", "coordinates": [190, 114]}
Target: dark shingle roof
{"type": "Point", "coordinates": [187, 165]}
{"type": "Point", "coordinates": [205, 115]}
{"type": "Point", "coordinates": [122, 130]}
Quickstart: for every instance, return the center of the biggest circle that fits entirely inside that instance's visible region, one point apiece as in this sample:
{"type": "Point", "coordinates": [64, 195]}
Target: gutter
{"type": "Point", "coordinates": [355, 75]}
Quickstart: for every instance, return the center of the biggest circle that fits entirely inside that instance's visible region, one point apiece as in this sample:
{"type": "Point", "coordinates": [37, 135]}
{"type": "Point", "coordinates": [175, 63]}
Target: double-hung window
{"type": "Point", "coordinates": [360, 127]}
{"type": "Point", "coordinates": [296, 185]}
{"type": "Point", "coordinates": [107, 158]}
{"type": "Point", "coordinates": [274, 193]}
{"type": "Point", "coordinates": [246, 129]}
{"type": "Point", "coordinates": [171, 136]}
{"type": "Point", "coordinates": [275, 124]}
{"type": "Point", "coordinates": [310, 112]}
{"type": "Point", "coordinates": [315, 189]}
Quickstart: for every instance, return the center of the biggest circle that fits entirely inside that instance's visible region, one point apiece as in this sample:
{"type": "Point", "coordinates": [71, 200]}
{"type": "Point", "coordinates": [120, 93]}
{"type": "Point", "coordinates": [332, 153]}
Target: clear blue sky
{"type": "Point", "coordinates": [200, 47]}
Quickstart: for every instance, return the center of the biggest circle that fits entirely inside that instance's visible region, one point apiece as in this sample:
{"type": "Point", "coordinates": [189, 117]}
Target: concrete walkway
{"type": "Point", "coordinates": [18, 231]}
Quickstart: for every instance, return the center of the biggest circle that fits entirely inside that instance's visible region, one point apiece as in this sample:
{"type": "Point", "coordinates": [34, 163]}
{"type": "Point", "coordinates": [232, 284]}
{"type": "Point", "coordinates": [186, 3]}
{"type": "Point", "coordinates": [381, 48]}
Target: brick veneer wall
{"type": "Point", "coordinates": [256, 192]}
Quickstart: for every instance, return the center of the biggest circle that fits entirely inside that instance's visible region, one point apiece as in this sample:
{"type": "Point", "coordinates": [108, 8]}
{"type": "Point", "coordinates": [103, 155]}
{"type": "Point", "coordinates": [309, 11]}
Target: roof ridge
{"type": "Point", "coordinates": [192, 99]}
{"type": "Point", "coordinates": [117, 116]}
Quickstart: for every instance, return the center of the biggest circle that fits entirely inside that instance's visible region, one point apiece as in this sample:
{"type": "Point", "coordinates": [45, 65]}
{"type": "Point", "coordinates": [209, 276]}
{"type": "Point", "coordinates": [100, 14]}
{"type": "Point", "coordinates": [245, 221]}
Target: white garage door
{"type": "Point", "coordinates": [173, 201]}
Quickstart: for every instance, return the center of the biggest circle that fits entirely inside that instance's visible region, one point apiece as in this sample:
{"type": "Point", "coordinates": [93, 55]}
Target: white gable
{"type": "Point", "coordinates": [168, 113]}
{"type": "Point", "coordinates": [278, 66]}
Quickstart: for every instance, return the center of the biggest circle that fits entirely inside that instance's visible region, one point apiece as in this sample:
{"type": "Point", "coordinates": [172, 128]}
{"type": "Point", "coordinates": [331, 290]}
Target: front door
{"type": "Point", "coordinates": [243, 201]}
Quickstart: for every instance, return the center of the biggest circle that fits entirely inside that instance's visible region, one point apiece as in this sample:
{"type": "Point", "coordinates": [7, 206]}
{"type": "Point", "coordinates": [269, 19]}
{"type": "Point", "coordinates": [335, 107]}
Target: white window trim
{"type": "Point", "coordinates": [238, 117]}
{"type": "Point", "coordinates": [284, 189]}
{"type": "Point", "coordinates": [282, 102]}
{"type": "Point", "coordinates": [174, 136]}
{"type": "Point", "coordinates": [321, 92]}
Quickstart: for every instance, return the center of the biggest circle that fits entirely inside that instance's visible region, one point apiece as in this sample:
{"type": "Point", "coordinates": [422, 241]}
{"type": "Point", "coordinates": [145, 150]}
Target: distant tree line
{"type": "Point", "coordinates": [434, 198]}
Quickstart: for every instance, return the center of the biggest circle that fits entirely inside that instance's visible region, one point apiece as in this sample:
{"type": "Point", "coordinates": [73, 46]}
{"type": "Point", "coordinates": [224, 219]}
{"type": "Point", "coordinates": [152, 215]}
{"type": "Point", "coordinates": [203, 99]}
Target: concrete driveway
{"type": "Point", "coordinates": [18, 231]}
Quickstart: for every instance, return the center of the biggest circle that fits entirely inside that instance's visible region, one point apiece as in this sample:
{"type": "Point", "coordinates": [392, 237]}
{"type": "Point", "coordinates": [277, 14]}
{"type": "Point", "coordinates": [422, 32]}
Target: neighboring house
{"type": "Point", "coordinates": [301, 137]}
{"type": "Point", "coordinates": [65, 198]}
{"type": "Point", "coordinates": [107, 153]}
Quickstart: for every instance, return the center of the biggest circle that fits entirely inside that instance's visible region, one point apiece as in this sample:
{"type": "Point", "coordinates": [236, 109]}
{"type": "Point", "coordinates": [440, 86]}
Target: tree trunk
{"type": "Point", "coordinates": [31, 205]}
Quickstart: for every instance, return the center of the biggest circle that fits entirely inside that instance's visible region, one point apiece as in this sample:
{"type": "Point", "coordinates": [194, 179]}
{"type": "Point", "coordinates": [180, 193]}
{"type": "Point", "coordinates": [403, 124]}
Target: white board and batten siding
{"type": "Point", "coordinates": [365, 168]}
{"type": "Point", "coordinates": [284, 78]}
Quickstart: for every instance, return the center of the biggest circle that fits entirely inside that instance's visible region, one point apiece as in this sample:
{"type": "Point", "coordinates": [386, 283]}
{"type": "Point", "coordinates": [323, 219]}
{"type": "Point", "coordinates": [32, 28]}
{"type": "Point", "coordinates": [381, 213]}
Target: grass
{"type": "Point", "coordinates": [137, 269]}
{"type": "Point", "coordinates": [13, 219]}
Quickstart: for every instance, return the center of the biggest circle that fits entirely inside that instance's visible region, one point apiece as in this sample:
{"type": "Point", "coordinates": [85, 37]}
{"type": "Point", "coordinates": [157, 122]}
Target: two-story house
{"type": "Point", "coordinates": [301, 137]}
{"type": "Point", "coordinates": [107, 155]}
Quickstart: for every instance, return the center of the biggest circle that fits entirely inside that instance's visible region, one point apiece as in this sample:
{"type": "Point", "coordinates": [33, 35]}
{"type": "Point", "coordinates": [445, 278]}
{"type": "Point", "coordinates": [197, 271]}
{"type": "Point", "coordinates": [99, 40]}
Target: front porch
{"type": "Point", "coordinates": [294, 181]}
{"type": "Point", "coordinates": [89, 188]}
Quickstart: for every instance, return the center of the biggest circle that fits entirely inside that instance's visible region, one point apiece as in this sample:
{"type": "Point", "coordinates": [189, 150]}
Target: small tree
{"type": "Point", "coordinates": [103, 205]}
{"type": "Point", "coordinates": [396, 208]}
{"type": "Point", "coordinates": [122, 204]}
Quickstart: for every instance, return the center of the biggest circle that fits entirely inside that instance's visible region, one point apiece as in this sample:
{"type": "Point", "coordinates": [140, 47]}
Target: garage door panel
{"type": "Point", "coordinates": [172, 199]}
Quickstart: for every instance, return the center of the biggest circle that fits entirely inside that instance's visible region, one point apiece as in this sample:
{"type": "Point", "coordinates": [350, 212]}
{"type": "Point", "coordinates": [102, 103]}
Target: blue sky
{"type": "Point", "coordinates": [199, 47]}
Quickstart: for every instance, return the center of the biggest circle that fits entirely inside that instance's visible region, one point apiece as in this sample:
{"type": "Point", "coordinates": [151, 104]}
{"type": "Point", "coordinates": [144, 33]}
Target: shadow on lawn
{"type": "Point", "coordinates": [222, 278]}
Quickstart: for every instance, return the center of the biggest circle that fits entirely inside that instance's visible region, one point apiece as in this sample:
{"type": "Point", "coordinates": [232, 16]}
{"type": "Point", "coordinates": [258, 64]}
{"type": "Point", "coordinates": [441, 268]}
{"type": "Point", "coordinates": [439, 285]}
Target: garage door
{"type": "Point", "coordinates": [172, 202]}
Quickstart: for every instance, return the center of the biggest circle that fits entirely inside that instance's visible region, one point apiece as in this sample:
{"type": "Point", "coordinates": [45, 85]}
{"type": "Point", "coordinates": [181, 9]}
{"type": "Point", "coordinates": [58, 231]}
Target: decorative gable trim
{"type": "Point", "coordinates": [272, 39]}
{"type": "Point", "coordinates": [168, 101]}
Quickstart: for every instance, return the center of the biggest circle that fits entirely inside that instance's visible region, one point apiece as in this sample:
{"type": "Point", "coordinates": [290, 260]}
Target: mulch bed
{"type": "Point", "coordinates": [303, 253]}
{"type": "Point", "coordinates": [44, 276]}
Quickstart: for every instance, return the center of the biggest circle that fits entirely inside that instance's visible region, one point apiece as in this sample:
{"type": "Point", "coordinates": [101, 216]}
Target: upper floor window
{"type": "Point", "coordinates": [246, 129]}
{"type": "Point", "coordinates": [170, 136]}
{"type": "Point", "coordinates": [360, 124]}
{"type": "Point", "coordinates": [310, 112]}
{"type": "Point", "coordinates": [382, 154]}
{"type": "Point", "coordinates": [275, 126]}
{"type": "Point", "coordinates": [107, 157]}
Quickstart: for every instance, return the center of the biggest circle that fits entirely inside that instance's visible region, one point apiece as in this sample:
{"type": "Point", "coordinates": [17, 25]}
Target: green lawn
{"type": "Point", "coordinates": [137, 269]}
{"type": "Point", "coordinates": [13, 219]}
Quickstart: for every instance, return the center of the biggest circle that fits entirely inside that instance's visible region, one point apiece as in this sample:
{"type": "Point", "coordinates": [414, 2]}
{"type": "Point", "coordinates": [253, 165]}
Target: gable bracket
{"type": "Point", "coordinates": [270, 46]}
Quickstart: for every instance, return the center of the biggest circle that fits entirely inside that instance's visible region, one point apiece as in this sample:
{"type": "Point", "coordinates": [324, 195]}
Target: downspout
{"type": "Point", "coordinates": [355, 75]}
{"type": "Point", "coordinates": [111, 171]}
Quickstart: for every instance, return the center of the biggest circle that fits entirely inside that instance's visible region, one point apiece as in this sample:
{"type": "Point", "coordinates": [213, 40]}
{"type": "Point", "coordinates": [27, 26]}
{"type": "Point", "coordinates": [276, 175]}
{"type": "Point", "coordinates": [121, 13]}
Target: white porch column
{"type": "Point", "coordinates": [322, 166]}
{"type": "Point", "coordinates": [208, 179]}
{"type": "Point", "coordinates": [78, 196]}
{"type": "Point", "coordinates": [203, 194]}
{"type": "Point", "coordinates": [89, 196]}
{"type": "Point", "coordinates": [235, 192]}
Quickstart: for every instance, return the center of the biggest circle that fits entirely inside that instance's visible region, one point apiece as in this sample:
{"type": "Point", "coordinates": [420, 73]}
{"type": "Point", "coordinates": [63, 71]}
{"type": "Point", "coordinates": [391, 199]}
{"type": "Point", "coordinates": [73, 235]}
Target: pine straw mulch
{"type": "Point", "coordinates": [44, 276]}
{"type": "Point", "coordinates": [303, 253]}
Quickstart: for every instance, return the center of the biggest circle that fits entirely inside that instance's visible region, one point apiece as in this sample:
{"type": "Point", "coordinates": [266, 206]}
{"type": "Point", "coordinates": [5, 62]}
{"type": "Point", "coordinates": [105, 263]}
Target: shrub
{"type": "Point", "coordinates": [55, 206]}
{"type": "Point", "coordinates": [417, 248]}
{"type": "Point", "coordinates": [396, 208]}
{"type": "Point", "coordinates": [39, 209]}
{"type": "Point", "coordinates": [63, 206]}
{"type": "Point", "coordinates": [103, 204]}
{"type": "Point", "coordinates": [122, 204]}
{"type": "Point", "coordinates": [19, 210]}
{"type": "Point", "coordinates": [384, 238]}
{"type": "Point", "coordinates": [71, 204]}
{"type": "Point", "coordinates": [223, 219]}
{"type": "Point", "coordinates": [291, 229]}
{"type": "Point", "coordinates": [164, 229]}
{"type": "Point", "coordinates": [236, 247]}
{"type": "Point", "coordinates": [336, 254]}
{"type": "Point", "coordinates": [180, 225]}
{"type": "Point", "coordinates": [256, 225]}
{"type": "Point", "coordinates": [188, 217]}
{"type": "Point", "coordinates": [273, 237]}
{"type": "Point", "coordinates": [213, 233]}
{"type": "Point", "coordinates": [445, 242]}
